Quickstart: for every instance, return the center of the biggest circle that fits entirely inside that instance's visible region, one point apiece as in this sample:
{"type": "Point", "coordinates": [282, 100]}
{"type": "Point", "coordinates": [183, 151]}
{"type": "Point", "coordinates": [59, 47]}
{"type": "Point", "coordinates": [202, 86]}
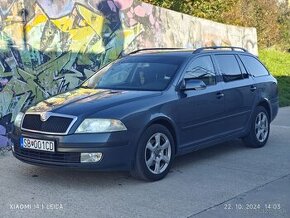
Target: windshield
{"type": "Point", "coordinates": [136, 73]}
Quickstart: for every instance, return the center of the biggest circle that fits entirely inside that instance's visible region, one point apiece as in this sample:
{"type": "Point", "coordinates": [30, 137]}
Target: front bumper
{"type": "Point", "coordinates": [117, 150]}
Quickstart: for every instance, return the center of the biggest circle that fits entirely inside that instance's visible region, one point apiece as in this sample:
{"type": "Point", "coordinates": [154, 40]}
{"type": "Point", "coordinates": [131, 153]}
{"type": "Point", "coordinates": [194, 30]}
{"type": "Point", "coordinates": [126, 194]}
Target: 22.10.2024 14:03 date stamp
{"type": "Point", "coordinates": [266, 207]}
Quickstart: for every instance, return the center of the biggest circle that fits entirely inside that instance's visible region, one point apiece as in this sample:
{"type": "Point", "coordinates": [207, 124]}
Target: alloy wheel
{"type": "Point", "coordinates": [261, 127]}
{"type": "Point", "coordinates": [158, 153]}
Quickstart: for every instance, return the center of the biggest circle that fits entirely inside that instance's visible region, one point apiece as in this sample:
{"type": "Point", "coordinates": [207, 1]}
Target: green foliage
{"type": "Point", "coordinates": [262, 14]}
{"type": "Point", "coordinates": [209, 9]}
{"type": "Point", "coordinates": [284, 23]}
{"type": "Point", "coordinates": [279, 65]}
{"type": "Point", "coordinates": [278, 62]}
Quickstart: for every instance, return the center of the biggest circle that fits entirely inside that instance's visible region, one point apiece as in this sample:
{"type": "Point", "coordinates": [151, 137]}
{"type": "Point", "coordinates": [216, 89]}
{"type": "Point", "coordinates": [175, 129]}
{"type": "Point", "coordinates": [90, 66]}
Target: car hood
{"type": "Point", "coordinates": [84, 101]}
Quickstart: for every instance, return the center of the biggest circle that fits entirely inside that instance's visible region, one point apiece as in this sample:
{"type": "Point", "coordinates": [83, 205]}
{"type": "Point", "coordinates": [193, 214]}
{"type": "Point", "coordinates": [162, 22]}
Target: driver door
{"type": "Point", "coordinates": [201, 112]}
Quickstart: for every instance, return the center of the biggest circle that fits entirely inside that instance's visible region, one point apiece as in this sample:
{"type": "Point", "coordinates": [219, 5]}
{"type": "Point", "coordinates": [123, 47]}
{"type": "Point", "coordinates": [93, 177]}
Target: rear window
{"type": "Point", "coordinates": [254, 67]}
{"type": "Point", "coordinates": [229, 67]}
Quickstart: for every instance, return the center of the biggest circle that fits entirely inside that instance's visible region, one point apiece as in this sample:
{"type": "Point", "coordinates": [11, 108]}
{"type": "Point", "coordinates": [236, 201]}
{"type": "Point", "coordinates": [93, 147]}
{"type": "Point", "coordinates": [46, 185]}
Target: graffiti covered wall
{"type": "Point", "coordinates": [50, 46]}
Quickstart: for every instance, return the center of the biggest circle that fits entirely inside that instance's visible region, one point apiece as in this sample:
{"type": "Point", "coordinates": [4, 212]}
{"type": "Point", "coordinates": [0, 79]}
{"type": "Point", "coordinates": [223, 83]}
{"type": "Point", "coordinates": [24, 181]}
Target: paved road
{"type": "Point", "coordinates": [228, 180]}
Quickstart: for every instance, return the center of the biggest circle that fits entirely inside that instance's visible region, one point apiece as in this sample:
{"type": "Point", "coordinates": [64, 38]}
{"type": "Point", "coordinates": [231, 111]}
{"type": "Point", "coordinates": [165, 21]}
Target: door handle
{"type": "Point", "coordinates": [253, 88]}
{"type": "Point", "coordinates": [220, 95]}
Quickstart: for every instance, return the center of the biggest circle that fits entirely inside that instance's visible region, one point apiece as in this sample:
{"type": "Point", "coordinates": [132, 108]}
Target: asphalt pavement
{"type": "Point", "coordinates": [228, 180]}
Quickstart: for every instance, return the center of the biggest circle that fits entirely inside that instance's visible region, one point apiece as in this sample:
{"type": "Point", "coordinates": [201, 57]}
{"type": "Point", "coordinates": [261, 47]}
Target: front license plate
{"type": "Point", "coordinates": [37, 144]}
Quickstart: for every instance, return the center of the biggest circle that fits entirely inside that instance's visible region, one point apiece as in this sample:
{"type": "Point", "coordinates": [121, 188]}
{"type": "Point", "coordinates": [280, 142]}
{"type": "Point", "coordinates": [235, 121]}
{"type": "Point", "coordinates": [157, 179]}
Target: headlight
{"type": "Point", "coordinates": [18, 119]}
{"type": "Point", "coordinates": [100, 125]}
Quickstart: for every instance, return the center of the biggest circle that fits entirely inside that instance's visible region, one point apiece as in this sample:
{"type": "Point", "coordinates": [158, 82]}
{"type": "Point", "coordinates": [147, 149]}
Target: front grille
{"type": "Point", "coordinates": [58, 157]}
{"type": "Point", "coordinates": [54, 124]}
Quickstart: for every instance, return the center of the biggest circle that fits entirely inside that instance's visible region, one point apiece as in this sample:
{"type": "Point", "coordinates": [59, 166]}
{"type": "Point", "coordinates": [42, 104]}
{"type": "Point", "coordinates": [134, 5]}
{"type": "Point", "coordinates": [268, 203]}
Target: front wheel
{"type": "Point", "coordinates": [260, 129]}
{"type": "Point", "coordinates": [155, 153]}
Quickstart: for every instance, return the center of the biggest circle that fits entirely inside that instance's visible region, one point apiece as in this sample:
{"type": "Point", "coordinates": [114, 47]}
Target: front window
{"type": "Point", "coordinates": [152, 73]}
{"type": "Point", "coordinates": [202, 69]}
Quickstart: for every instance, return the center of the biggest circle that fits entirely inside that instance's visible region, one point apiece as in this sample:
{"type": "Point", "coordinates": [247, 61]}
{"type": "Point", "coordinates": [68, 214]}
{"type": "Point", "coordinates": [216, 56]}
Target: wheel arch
{"type": "Point", "coordinates": [169, 124]}
{"type": "Point", "coordinates": [266, 104]}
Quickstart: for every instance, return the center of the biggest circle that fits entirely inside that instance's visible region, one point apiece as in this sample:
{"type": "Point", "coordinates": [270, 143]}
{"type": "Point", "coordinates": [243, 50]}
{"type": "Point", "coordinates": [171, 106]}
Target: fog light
{"type": "Point", "coordinates": [91, 157]}
{"type": "Point", "coordinates": [12, 147]}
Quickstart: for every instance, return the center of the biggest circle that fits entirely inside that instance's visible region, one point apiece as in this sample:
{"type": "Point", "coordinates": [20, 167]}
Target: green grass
{"type": "Point", "coordinates": [279, 65]}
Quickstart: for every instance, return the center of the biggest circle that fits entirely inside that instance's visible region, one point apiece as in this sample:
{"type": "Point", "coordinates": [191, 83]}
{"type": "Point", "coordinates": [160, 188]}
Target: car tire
{"type": "Point", "coordinates": [259, 129]}
{"type": "Point", "coordinates": [154, 159]}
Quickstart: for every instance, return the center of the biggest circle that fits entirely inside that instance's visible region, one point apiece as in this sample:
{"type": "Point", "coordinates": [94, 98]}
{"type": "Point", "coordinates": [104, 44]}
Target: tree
{"type": "Point", "coordinates": [261, 14]}
{"type": "Point", "coordinates": [284, 24]}
{"type": "Point", "coordinates": [208, 9]}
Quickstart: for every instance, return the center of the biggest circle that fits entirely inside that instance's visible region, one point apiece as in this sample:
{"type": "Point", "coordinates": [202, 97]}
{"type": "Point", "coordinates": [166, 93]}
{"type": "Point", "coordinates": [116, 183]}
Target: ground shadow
{"type": "Point", "coordinates": [284, 90]}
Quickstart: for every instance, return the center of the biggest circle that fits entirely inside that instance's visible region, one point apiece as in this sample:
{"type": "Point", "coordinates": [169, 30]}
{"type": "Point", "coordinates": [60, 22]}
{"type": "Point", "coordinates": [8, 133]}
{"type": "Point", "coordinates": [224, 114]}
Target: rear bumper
{"type": "Point", "coordinates": [274, 109]}
{"type": "Point", "coordinates": [115, 147]}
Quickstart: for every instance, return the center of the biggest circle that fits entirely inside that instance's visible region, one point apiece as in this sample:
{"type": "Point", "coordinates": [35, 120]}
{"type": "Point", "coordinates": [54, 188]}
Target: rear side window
{"type": "Point", "coordinates": [201, 68]}
{"type": "Point", "coordinates": [229, 67]}
{"type": "Point", "coordinates": [243, 69]}
{"type": "Point", "coordinates": [254, 67]}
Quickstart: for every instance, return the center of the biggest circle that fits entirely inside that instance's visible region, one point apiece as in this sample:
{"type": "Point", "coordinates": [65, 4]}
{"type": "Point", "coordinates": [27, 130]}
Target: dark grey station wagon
{"type": "Point", "coordinates": [141, 111]}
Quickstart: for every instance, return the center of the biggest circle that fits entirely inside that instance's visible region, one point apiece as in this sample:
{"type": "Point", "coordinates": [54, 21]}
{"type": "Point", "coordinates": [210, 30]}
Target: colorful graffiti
{"type": "Point", "coordinates": [51, 46]}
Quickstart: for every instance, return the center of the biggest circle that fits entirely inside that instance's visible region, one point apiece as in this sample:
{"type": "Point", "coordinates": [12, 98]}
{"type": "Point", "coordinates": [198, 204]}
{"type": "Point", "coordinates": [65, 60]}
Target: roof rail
{"type": "Point", "coordinates": [186, 49]}
{"type": "Point", "coordinates": [220, 47]}
{"type": "Point", "coordinates": [154, 49]}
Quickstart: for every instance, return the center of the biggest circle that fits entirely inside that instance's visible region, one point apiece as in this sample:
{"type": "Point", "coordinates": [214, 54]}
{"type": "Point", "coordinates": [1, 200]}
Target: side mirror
{"type": "Point", "coordinates": [192, 84]}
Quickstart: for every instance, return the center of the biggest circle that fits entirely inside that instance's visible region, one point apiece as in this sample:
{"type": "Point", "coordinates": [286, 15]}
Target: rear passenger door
{"type": "Point", "coordinates": [239, 92]}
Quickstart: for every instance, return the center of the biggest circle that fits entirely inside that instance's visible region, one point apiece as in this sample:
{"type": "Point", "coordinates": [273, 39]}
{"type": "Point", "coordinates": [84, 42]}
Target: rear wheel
{"type": "Point", "coordinates": [155, 153]}
{"type": "Point", "coordinates": [260, 129]}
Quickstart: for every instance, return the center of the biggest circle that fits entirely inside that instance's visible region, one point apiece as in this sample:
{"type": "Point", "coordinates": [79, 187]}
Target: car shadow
{"type": "Point", "coordinates": [230, 147]}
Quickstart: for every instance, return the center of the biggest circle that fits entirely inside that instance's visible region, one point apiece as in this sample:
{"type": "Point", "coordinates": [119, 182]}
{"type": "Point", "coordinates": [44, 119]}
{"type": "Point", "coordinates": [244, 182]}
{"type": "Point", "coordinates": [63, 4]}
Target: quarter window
{"type": "Point", "coordinates": [254, 67]}
{"type": "Point", "coordinates": [243, 69]}
{"type": "Point", "coordinates": [229, 67]}
{"type": "Point", "coordinates": [202, 69]}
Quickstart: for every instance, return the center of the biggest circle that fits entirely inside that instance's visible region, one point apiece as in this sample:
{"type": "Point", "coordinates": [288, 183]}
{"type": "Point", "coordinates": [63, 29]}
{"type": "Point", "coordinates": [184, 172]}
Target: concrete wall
{"type": "Point", "coordinates": [50, 46]}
